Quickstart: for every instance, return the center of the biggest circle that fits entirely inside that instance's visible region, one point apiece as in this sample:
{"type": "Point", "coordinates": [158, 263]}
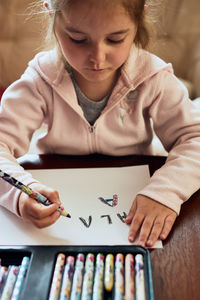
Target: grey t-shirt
{"type": "Point", "coordinates": [91, 109]}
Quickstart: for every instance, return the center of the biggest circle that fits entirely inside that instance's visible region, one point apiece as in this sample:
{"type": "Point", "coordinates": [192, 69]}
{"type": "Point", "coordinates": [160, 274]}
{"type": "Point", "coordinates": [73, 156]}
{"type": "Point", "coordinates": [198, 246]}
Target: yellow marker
{"type": "Point", "coordinates": [108, 278]}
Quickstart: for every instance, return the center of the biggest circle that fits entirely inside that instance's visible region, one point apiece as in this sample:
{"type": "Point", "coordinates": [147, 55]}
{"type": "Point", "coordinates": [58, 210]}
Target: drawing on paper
{"type": "Point", "coordinates": [110, 202]}
{"type": "Point", "coordinates": [121, 216]}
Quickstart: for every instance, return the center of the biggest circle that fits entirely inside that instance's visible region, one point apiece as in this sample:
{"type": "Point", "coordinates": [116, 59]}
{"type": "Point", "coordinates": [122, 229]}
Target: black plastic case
{"type": "Point", "coordinates": [42, 263]}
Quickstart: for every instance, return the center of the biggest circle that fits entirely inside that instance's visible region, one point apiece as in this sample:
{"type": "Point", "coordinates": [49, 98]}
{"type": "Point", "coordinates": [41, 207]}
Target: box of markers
{"type": "Point", "coordinates": [75, 272]}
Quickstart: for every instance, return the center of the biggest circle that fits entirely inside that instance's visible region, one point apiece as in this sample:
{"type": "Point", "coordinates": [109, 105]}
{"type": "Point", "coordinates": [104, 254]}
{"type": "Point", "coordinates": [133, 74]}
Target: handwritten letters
{"type": "Point", "coordinates": [87, 222]}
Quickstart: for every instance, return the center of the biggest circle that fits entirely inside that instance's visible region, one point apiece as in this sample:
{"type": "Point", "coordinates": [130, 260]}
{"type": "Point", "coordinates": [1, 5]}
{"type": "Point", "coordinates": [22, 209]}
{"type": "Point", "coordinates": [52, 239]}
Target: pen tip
{"type": "Point", "coordinates": [65, 213]}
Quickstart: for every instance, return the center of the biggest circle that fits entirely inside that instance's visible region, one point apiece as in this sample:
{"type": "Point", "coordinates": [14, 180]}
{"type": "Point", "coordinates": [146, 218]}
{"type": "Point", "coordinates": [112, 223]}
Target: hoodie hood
{"type": "Point", "coordinates": [141, 65]}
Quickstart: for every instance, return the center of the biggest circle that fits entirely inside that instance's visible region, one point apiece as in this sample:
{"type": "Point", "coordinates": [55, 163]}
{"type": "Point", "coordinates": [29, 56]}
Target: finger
{"type": "Point", "coordinates": [169, 221]}
{"type": "Point", "coordinates": [45, 222]}
{"type": "Point", "coordinates": [48, 192]}
{"type": "Point", "coordinates": [40, 211]}
{"type": "Point", "coordinates": [135, 226]}
{"type": "Point", "coordinates": [131, 213]}
{"type": "Point", "coordinates": [53, 196]}
{"type": "Point", "coordinates": [155, 231]}
{"type": "Point", "coordinates": [145, 231]}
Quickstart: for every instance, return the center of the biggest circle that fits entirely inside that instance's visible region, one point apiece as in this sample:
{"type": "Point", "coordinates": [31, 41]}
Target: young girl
{"type": "Point", "coordinates": [97, 90]}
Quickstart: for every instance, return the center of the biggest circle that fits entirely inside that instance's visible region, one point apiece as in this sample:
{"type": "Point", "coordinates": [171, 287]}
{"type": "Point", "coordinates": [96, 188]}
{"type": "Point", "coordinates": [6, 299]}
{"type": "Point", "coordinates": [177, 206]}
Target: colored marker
{"type": "Point", "coordinates": [119, 276]}
{"type": "Point", "coordinates": [88, 278]}
{"type": "Point", "coordinates": [27, 190]}
{"type": "Point", "coordinates": [129, 277]}
{"type": "Point", "coordinates": [20, 278]}
{"type": "Point", "coordinates": [139, 277]}
{"type": "Point", "coordinates": [98, 278]}
{"type": "Point", "coordinates": [109, 272]}
{"type": "Point", "coordinates": [3, 275]}
{"type": "Point", "coordinates": [57, 277]}
{"type": "Point", "coordinates": [10, 282]}
{"type": "Point", "coordinates": [67, 279]}
{"type": "Point", "coordinates": [78, 278]}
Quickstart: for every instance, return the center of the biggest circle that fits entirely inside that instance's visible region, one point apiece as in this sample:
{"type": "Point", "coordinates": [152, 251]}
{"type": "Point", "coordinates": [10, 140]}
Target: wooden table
{"type": "Point", "coordinates": [176, 267]}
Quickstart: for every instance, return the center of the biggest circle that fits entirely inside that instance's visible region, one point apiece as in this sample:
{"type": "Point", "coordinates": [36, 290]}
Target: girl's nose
{"type": "Point", "coordinates": [97, 54]}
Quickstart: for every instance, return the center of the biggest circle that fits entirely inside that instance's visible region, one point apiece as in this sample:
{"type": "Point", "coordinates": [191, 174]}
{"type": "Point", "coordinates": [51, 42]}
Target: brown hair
{"type": "Point", "coordinates": [135, 9]}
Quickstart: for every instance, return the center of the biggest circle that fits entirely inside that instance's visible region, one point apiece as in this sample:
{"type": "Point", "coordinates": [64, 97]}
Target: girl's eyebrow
{"type": "Point", "coordinates": [74, 30]}
{"type": "Point", "coordinates": [119, 32]}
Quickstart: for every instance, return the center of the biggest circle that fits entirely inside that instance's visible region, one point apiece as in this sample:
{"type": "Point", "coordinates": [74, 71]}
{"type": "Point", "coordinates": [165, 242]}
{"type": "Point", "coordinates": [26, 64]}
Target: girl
{"type": "Point", "coordinates": [97, 91]}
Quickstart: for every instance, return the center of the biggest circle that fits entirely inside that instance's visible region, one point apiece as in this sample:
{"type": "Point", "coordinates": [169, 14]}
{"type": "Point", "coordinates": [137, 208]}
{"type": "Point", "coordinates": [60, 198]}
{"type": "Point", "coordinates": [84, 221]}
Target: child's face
{"type": "Point", "coordinates": [95, 40]}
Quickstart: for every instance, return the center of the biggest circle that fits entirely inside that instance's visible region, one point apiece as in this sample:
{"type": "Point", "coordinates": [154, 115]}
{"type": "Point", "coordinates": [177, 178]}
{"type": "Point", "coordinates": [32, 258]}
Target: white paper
{"type": "Point", "coordinates": [79, 191]}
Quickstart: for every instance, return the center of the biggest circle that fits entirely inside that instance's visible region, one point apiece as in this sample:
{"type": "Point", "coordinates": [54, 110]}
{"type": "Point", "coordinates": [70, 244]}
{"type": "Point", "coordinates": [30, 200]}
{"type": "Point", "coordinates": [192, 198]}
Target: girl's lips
{"type": "Point", "coordinates": [97, 70]}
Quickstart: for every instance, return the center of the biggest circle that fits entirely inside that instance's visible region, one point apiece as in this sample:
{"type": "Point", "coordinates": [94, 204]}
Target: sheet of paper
{"type": "Point", "coordinates": [92, 221]}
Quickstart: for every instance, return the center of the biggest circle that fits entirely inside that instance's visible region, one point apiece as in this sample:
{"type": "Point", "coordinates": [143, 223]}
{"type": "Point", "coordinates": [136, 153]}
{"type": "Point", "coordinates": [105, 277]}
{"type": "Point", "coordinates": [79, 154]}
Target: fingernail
{"type": "Point", "coordinates": [58, 214]}
{"type": "Point", "coordinates": [131, 239]}
{"type": "Point", "coordinates": [149, 243]}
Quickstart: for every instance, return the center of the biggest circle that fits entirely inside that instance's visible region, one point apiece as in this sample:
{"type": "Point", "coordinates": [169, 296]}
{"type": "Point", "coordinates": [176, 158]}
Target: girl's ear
{"type": "Point", "coordinates": [47, 6]}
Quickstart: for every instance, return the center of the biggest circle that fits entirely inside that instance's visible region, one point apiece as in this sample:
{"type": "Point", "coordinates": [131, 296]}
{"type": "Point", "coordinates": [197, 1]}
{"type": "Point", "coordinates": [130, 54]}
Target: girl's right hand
{"type": "Point", "coordinates": [36, 213]}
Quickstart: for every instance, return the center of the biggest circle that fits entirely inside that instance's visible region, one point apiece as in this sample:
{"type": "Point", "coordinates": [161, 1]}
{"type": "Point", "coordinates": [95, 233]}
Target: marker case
{"type": "Point", "coordinates": [39, 276]}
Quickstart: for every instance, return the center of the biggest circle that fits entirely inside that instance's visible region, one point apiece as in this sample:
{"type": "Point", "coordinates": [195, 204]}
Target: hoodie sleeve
{"type": "Point", "coordinates": [22, 111]}
{"type": "Point", "coordinates": [177, 124]}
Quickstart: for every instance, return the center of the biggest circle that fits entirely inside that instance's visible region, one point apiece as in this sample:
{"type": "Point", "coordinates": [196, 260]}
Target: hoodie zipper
{"type": "Point", "coordinates": [92, 135]}
{"type": "Point", "coordinates": [93, 127]}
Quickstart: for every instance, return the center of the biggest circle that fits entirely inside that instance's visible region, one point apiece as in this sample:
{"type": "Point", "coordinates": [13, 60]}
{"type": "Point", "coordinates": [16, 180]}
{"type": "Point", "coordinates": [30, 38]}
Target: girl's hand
{"type": "Point", "coordinates": [36, 213]}
{"type": "Point", "coordinates": [151, 219]}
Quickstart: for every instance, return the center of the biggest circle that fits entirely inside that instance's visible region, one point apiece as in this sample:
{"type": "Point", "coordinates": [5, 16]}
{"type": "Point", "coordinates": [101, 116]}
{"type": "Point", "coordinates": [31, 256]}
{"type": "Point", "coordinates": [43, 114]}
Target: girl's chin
{"type": "Point", "coordinates": [97, 75]}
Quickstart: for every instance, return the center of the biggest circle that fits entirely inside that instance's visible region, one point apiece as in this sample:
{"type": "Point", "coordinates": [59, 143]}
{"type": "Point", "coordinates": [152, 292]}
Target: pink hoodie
{"type": "Point", "coordinates": [146, 89]}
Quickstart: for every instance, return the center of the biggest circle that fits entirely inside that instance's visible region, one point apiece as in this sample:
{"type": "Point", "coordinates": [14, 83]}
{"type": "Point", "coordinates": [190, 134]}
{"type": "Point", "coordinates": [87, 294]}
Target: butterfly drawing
{"type": "Point", "coordinates": [111, 201]}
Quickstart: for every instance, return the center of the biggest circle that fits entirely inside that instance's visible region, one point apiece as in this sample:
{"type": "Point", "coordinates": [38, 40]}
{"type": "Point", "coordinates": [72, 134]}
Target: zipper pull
{"type": "Point", "coordinates": [91, 129]}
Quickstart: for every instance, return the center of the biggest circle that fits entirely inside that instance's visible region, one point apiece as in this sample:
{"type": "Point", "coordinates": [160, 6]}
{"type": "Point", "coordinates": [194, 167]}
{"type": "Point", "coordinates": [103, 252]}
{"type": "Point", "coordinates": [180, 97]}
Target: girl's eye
{"type": "Point", "coordinates": [77, 41]}
{"type": "Point", "coordinates": [81, 41]}
{"type": "Point", "coordinates": [115, 41]}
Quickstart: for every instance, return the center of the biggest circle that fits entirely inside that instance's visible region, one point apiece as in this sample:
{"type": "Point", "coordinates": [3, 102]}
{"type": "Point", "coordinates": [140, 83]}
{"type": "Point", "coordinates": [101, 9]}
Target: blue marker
{"type": "Point", "coordinates": [139, 277]}
{"type": "Point", "coordinates": [78, 278]}
{"type": "Point", "coordinates": [119, 277]}
{"type": "Point", "coordinates": [10, 282]}
{"type": "Point", "coordinates": [20, 278]}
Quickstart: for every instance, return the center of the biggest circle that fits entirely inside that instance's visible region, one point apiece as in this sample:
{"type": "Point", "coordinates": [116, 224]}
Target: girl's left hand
{"type": "Point", "coordinates": [151, 219]}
